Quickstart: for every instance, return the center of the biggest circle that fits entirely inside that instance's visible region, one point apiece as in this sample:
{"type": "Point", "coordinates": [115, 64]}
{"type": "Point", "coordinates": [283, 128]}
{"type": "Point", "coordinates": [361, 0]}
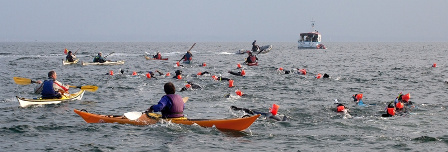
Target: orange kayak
{"type": "Point", "coordinates": [235, 124]}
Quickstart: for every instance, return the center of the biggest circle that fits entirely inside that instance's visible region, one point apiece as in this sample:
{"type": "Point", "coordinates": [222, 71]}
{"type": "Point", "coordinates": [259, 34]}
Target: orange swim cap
{"type": "Point", "coordinates": [188, 85]}
{"type": "Point", "coordinates": [111, 72]}
{"type": "Point", "coordinates": [281, 69]}
{"type": "Point", "coordinates": [238, 65]}
{"type": "Point", "coordinates": [406, 97]}
{"type": "Point", "coordinates": [319, 76]}
{"type": "Point", "coordinates": [148, 75]}
{"type": "Point", "coordinates": [358, 96]}
{"type": "Point", "coordinates": [230, 83]}
{"type": "Point", "coordinates": [177, 63]}
{"type": "Point", "coordinates": [340, 108]}
{"type": "Point", "coordinates": [168, 74]}
{"type": "Point", "coordinates": [243, 73]}
{"type": "Point", "coordinates": [239, 93]}
{"type": "Point", "coordinates": [134, 73]}
{"type": "Point", "coordinates": [179, 76]}
{"type": "Point", "coordinates": [214, 77]}
{"type": "Point", "coordinates": [399, 105]}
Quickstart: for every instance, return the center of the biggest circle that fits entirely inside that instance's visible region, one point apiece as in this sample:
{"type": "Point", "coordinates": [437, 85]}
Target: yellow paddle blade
{"type": "Point", "coordinates": [22, 81]}
{"type": "Point", "coordinates": [90, 88]}
{"type": "Point", "coordinates": [185, 99]}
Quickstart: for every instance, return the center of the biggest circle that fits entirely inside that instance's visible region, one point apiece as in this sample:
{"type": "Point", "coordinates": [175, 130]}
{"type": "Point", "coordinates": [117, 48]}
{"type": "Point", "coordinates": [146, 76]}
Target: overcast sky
{"type": "Point", "coordinates": [223, 20]}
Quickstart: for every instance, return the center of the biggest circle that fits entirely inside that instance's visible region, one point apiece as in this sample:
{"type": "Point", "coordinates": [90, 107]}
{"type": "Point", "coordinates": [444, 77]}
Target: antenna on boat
{"type": "Point", "coordinates": [312, 25]}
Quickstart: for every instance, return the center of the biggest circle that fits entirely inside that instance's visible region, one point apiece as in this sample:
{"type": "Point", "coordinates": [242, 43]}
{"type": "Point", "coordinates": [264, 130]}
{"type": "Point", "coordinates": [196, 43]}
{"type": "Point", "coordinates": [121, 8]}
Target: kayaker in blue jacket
{"type": "Point", "coordinates": [51, 88]}
{"type": "Point", "coordinates": [188, 56]}
{"type": "Point", "coordinates": [99, 58]}
{"type": "Point", "coordinates": [171, 105]}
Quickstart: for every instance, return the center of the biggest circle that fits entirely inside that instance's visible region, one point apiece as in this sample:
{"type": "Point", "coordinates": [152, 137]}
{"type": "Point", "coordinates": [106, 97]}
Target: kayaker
{"type": "Point", "coordinates": [70, 57]}
{"type": "Point", "coordinates": [99, 58]}
{"type": "Point", "coordinates": [251, 58]}
{"type": "Point", "coordinates": [190, 86]}
{"type": "Point", "coordinates": [171, 105]}
{"type": "Point", "coordinates": [158, 56]}
{"type": "Point", "coordinates": [188, 56]}
{"type": "Point", "coordinates": [51, 88]}
{"type": "Point", "coordinates": [255, 47]}
{"type": "Point", "coordinates": [268, 115]}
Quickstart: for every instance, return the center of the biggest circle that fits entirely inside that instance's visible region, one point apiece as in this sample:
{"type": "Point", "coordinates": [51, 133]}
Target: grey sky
{"type": "Point", "coordinates": [223, 20]}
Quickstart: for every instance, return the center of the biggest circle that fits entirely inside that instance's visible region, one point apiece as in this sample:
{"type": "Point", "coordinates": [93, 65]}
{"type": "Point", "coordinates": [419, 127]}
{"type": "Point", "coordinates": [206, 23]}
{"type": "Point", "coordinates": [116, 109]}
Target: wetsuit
{"type": "Point", "coordinates": [268, 115]}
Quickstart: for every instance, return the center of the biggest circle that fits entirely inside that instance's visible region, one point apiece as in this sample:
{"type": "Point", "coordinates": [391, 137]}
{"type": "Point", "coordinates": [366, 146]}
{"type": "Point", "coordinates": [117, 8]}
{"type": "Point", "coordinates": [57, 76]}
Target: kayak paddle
{"type": "Point", "coordinates": [135, 114]}
{"type": "Point", "coordinates": [26, 81]}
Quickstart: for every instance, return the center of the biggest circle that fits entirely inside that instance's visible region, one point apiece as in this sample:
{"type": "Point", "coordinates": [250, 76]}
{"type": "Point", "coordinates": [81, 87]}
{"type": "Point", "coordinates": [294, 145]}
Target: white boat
{"type": "Point", "coordinates": [311, 40]}
{"type": "Point", "coordinates": [39, 101]}
{"type": "Point", "coordinates": [104, 63]}
{"type": "Point", "coordinates": [65, 62]}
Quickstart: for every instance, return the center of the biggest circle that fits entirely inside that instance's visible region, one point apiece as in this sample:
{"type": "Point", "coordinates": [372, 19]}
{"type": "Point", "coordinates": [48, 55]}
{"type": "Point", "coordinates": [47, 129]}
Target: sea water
{"type": "Point", "coordinates": [377, 70]}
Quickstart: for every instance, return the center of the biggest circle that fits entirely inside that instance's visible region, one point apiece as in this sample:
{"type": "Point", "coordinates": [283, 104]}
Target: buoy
{"type": "Point", "coordinates": [178, 64]}
{"type": "Point", "coordinates": [239, 65]}
{"type": "Point", "coordinates": [406, 97]}
{"type": "Point", "coordinates": [188, 86]}
{"type": "Point", "coordinates": [318, 76]}
{"type": "Point", "coordinates": [204, 64]}
{"type": "Point", "coordinates": [168, 74]}
{"type": "Point", "coordinates": [179, 76]}
{"type": "Point", "coordinates": [434, 65]}
{"type": "Point", "coordinates": [399, 105]}
{"type": "Point", "coordinates": [239, 93]}
{"type": "Point", "coordinates": [281, 69]}
{"type": "Point", "coordinates": [243, 73]}
{"type": "Point", "coordinates": [274, 109]}
{"type": "Point", "coordinates": [148, 75]}
{"type": "Point", "coordinates": [134, 73]}
{"type": "Point", "coordinates": [231, 83]}
{"type": "Point", "coordinates": [358, 97]}
{"type": "Point", "coordinates": [302, 71]}
{"type": "Point", "coordinates": [111, 72]}
{"type": "Point", "coordinates": [340, 108]}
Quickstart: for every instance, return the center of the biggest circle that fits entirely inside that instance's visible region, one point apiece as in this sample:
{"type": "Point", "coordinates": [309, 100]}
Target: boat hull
{"type": "Point", "coordinates": [29, 102]}
{"type": "Point", "coordinates": [148, 58]}
{"type": "Point", "coordinates": [236, 124]}
{"type": "Point", "coordinates": [104, 63]}
{"type": "Point", "coordinates": [64, 62]}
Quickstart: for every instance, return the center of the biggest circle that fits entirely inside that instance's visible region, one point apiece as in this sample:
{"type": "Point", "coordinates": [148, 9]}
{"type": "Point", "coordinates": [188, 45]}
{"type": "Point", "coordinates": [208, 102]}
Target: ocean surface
{"type": "Point", "coordinates": [377, 70]}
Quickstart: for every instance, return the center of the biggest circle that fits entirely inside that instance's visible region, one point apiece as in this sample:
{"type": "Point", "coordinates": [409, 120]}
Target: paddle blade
{"type": "Point", "coordinates": [185, 99]}
{"type": "Point", "coordinates": [22, 81]}
{"type": "Point", "coordinates": [89, 88]}
{"type": "Point", "coordinates": [133, 115]}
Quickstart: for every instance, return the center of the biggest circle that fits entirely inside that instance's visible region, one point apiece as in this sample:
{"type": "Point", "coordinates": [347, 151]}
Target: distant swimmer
{"type": "Point", "coordinates": [390, 110]}
{"type": "Point", "coordinates": [220, 78]}
{"type": "Point", "coordinates": [178, 74]}
{"type": "Point", "coordinates": [272, 115]}
{"type": "Point", "coordinates": [190, 86]}
{"type": "Point", "coordinates": [282, 71]}
{"type": "Point", "coordinates": [239, 73]}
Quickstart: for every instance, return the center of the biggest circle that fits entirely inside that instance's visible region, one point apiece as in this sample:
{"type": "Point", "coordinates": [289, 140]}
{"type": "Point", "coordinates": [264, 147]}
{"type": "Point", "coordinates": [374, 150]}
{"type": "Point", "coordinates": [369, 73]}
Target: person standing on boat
{"type": "Point", "coordinates": [157, 56]}
{"type": "Point", "coordinates": [171, 105]}
{"type": "Point", "coordinates": [255, 47]}
{"type": "Point", "coordinates": [70, 57]}
{"type": "Point", "coordinates": [51, 88]}
{"type": "Point", "coordinates": [99, 58]}
{"type": "Point", "coordinates": [187, 57]}
{"type": "Point", "coordinates": [251, 58]}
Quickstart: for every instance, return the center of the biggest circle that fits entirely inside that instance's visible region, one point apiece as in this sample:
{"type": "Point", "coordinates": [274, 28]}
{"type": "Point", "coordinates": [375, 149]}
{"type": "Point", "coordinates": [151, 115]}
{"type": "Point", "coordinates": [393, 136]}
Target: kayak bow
{"type": "Point", "coordinates": [235, 124]}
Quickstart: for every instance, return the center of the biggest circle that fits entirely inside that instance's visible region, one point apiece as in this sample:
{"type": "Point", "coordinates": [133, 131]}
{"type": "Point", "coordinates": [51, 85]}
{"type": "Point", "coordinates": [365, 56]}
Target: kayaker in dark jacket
{"type": "Point", "coordinates": [188, 56]}
{"type": "Point", "coordinates": [70, 57]}
{"type": "Point", "coordinates": [255, 47]}
{"type": "Point", "coordinates": [171, 105]}
{"type": "Point", "coordinates": [99, 58]}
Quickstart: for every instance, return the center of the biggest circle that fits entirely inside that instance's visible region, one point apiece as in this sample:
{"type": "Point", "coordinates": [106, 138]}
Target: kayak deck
{"type": "Point", "coordinates": [28, 102]}
{"type": "Point", "coordinates": [234, 124]}
{"type": "Point", "coordinates": [104, 63]}
{"type": "Point", "coordinates": [65, 62]}
{"type": "Point", "coordinates": [148, 58]}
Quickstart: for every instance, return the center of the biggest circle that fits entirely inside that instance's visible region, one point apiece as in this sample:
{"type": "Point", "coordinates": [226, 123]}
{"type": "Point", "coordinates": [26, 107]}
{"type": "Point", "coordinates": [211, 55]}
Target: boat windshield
{"type": "Point", "coordinates": [309, 37]}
